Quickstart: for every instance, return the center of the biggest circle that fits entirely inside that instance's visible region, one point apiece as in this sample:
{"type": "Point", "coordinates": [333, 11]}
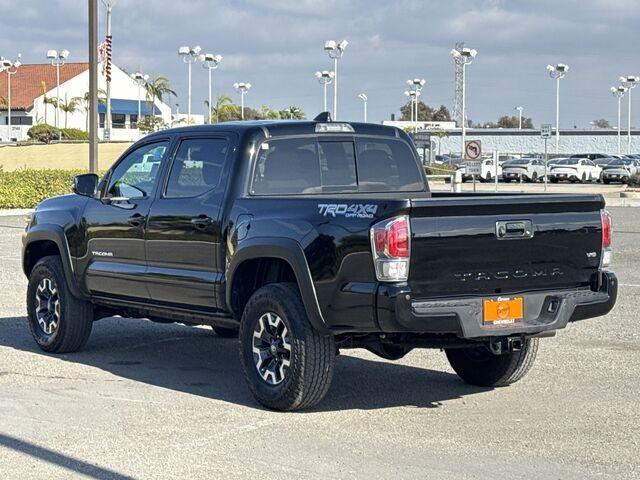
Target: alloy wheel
{"type": "Point", "coordinates": [271, 348]}
{"type": "Point", "coordinates": [47, 306]}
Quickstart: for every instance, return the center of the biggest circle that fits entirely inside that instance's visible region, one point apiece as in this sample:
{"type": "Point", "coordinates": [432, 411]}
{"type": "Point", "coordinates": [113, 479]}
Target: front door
{"type": "Point", "coordinates": [183, 233]}
{"type": "Point", "coordinates": [114, 261]}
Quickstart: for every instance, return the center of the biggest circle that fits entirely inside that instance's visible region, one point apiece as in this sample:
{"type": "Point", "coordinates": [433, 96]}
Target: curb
{"type": "Point", "coordinates": [14, 212]}
{"type": "Point", "coordinates": [622, 202]}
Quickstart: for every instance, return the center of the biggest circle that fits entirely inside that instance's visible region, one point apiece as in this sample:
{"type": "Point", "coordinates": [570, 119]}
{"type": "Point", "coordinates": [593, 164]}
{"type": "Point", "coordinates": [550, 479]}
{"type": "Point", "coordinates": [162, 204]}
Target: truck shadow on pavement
{"type": "Point", "coordinates": [196, 361]}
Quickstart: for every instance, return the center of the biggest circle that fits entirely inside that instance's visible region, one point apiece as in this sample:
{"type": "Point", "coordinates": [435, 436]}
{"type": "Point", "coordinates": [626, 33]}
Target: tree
{"type": "Point", "coordinates": [601, 123]}
{"type": "Point", "coordinates": [70, 106]}
{"type": "Point", "coordinates": [3, 101]}
{"type": "Point", "coordinates": [47, 100]}
{"type": "Point", "coordinates": [442, 114]}
{"type": "Point", "coordinates": [426, 113]}
{"type": "Point", "coordinates": [224, 110]}
{"type": "Point", "coordinates": [267, 113]}
{"type": "Point", "coordinates": [292, 112]}
{"type": "Point", "coordinates": [158, 87]}
{"type": "Point", "coordinates": [85, 101]}
{"type": "Point", "coordinates": [507, 121]}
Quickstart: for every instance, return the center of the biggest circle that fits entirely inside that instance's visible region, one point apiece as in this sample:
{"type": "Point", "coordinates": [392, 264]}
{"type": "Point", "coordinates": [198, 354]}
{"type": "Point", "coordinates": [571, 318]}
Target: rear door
{"type": "Point", "coordinates": [184, 227]}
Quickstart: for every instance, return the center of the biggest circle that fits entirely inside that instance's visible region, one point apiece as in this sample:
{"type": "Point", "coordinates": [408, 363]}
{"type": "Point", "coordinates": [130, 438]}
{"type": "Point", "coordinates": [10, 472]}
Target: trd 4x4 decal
{"type": "Point", "coordinates": [354, 210]}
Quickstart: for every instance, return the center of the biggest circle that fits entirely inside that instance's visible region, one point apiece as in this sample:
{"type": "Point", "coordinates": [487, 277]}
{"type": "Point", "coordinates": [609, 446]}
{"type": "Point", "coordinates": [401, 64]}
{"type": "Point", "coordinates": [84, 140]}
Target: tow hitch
{"type": "Point", "coordinates": [498, 346]}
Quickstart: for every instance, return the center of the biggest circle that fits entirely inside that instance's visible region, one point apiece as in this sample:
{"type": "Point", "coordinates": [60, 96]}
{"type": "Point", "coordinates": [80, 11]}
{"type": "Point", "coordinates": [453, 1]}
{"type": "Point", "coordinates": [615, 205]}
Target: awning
{"type": "Point", "coordinates": [128, 107]}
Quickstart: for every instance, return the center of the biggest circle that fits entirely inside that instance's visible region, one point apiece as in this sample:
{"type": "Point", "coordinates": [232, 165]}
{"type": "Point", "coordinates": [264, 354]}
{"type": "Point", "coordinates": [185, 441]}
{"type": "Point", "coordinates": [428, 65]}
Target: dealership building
{"type": "Point", "coordinates": [33, 83]}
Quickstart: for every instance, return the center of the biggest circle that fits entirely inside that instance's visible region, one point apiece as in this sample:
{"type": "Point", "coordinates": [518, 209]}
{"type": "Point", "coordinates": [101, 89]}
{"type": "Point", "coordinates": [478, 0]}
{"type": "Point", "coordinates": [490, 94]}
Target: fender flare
{"type": "Point", "coordinates": [291, 252]}
{"type": "Point", "coordinates": [55, 234]}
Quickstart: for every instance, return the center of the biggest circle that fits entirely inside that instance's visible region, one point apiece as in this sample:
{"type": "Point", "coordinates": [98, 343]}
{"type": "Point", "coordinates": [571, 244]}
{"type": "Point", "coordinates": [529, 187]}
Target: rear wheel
{"type": "Point", "coordinates": [534, 177]}
{"type": "Point", "coordinates": [478, 366]}
{"type": "Point", "coordinates": [288, 364]}
{"type": "Point", "coordinates": [59, 322]}
{"type": "Point", "coordinates": [583, 179]}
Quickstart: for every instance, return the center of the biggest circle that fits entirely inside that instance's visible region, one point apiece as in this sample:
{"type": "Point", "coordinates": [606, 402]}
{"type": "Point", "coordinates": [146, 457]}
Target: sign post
{"type": "Point", "coordinates": [472, 152]}
{"type": "Point", "coordinates": [545, 133]}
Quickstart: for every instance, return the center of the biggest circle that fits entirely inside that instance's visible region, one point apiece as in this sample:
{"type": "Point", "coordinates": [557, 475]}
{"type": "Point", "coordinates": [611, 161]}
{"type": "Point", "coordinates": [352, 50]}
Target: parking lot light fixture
{"type": "Point", "coordinates": [210, 62]}
{"type": "Point", "coordinates": [57, 60]}
{"type": "Point", "coordinates": [464, 57]}
{"type": "Point", "coordinates": [189, 56]}
{"type": "Point", "coordinates": [629, 82]}
{"type": "Point", "coordinates": [558, 72]}
{"type": "Point", "coordinates": [325, 78]}
{"type": "Point", "coordinates": [363, 97]}
{"type": "Point", "coordinates": [619, 92]}
{"type": "Point", "coordinates": [242, 88]}
{"type": "Point", "coordinates": [416, 85]}
{"type": "Point", "coordinates": [519, 109]}
{"type": "Point", "coordinates": [11, 68]}
{"type": "Point", "coordinates": [412, 96]}
{"type": "Point", "coordinates": [141, 79]}
{"type": "Point", "coordinates": [335, 51]}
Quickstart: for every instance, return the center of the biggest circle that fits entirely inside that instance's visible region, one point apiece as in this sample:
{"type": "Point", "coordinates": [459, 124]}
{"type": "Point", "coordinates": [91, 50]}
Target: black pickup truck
{"type": "Point", "coordinates": [302, 238]}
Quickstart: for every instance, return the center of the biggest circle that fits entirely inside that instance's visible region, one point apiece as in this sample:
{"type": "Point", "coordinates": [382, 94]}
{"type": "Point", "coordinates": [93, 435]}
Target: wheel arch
{"type": "Point", "coordinates": [275, 250]}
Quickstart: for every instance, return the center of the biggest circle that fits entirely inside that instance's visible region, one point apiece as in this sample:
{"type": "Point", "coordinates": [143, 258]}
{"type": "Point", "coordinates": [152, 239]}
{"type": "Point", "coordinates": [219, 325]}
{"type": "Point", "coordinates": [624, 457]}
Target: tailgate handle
{"type": "Point", "coordinates": [514, 229]}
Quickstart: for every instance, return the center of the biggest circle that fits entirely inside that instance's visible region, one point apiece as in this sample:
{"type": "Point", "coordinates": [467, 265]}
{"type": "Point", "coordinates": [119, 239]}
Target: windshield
{"type": "Point", "coordinates": [567, 161]}
{"type": "Point", "coordinates": [523, 161]}
{"type": "Point", "coordinates": [621, 161]}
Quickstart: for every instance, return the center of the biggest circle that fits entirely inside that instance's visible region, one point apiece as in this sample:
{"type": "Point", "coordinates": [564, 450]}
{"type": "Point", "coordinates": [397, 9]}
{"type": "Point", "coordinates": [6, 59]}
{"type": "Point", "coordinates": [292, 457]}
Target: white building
{"type": "Point", "coordinates": [33, 82]}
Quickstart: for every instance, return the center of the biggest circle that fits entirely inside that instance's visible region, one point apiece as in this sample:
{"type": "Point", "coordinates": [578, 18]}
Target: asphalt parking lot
{"type": "Point", "coordinates": [145, 400]}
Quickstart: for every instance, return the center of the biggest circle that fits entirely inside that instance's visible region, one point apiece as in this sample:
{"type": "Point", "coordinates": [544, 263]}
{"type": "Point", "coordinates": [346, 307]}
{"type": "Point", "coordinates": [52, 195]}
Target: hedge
{"type": "Point", "coordinates": [47, 133]}
{"type": "Point", "coordinates": [26, 188]}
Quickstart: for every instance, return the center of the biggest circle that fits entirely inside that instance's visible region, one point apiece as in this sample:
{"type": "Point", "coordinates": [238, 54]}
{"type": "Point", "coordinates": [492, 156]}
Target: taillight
{"type": "Point", "coordinates": [391, 245]}
{"type": "Point", "coordinates": [605, 258]}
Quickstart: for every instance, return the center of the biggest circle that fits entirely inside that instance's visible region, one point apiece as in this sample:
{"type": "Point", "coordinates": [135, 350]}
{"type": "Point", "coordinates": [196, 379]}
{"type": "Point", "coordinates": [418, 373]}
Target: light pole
{"type": "Point", "coordinates": [629, 82]}
{"type": "Point", "coordinates": [107, 118]}
{"type": "Point", "coordinates": [141, 79]}
{"type": "Point", "coordinates": [57, 60]}
{"type": "Point", "coordinates": [242, 88]}
{"type": "Point", "coordinates": [210, 62]}
{"type": "Point", "coordinates": [464, 57]}
{"type": "Point", "coordinates": [325, 78]}
{"type": "Point", "coordinates": [558, 72]}
{"type": "Point", "coordinates": [416, 86]}
{"type": "Point", "coordinates": [519, 108]}
{"type": "Point", "coordinates": [363, 97]}
{"type": "Point", "coordinates": [189, 56]}
{"type": "Point", "coordinates": [412, 96]}
{"type": "Point", "coordinates": [619, 92]}
{"type": "Point", "coordinates": [12, 69]}
{"type": "Point", "coordinates": [335, 51]}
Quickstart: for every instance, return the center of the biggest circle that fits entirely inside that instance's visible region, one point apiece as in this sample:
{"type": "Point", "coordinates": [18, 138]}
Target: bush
{"type": "Point", "coordinates": [74, 134]}
{"type": "Point", "coordinates": [634, 180]}
{"type": "Point", "coordinates": [26, 188]}
{"type": "Point", "coordinates": [43, 133]}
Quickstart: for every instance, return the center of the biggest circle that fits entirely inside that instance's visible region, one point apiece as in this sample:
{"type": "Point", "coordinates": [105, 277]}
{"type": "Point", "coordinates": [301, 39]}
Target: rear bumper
{"type": "Point", "coordinates": [543, 311]}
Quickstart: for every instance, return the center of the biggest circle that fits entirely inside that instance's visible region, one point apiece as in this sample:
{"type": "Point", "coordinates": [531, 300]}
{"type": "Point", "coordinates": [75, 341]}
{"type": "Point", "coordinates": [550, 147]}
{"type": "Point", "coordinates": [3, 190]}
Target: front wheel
{"type": "Point", "coordinates": [478, 366]}
{"type": "Point", "coordinates": [288, 364]}
{"type": "Point", "coordinates": [59, 322]}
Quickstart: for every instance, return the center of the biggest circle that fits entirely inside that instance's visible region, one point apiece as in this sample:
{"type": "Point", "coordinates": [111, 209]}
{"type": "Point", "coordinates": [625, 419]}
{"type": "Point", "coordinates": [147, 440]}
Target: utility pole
{"type": "Point", "coordinates": [93, 86]}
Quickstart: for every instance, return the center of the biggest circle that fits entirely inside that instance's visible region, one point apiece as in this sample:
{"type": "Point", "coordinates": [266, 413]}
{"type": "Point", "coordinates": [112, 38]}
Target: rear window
{"type": "Point", "coordinates": [311, 165]}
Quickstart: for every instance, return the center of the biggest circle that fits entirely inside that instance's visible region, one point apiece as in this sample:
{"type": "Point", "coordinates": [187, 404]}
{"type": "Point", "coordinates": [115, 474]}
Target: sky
{"type": "Point", "coordinates": [277, 46]}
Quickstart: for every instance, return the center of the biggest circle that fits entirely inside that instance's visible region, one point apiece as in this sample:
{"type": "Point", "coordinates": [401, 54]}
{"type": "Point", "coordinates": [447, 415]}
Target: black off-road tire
{"type": "Point", "coordinates": [76, 315]}
{"type": "Point", "coordinates": [478, 366]}
{"type": "Point", "coordinates": [312, 355]}
{"type": "Point", "coordinates": [225, 332]}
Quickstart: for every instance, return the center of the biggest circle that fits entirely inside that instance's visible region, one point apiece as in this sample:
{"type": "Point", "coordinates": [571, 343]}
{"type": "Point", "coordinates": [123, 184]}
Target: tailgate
{"type": "Point", "coordinates": [488, 245]}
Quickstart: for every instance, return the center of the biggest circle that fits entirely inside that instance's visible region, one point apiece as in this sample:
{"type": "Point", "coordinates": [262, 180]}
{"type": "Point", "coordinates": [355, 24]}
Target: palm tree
{"type": "Point", "coordinates": [47, 100]}
{"type": "Point", "coordinates": [85, 100]}
{"type": "Point", "coordinates": [224, 109]}
{"type": "Point", "coordinates": [158, 87]}
{"type": "Point", "coordinates": [3, 101]}
{"type": "Point", "coordinates": [69, 106]}
{"type": "Point", "coordinates": [293, 113]}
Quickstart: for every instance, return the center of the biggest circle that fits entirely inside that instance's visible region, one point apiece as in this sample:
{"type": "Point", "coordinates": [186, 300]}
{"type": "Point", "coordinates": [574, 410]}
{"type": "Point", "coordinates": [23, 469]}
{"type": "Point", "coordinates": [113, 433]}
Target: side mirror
{"type": "Point", "coordinates": [85, 184]}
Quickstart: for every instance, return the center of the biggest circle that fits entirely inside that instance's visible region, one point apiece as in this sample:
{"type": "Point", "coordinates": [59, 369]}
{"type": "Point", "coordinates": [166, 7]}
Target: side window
{"type": "Point", "coordinates": [197, 167]}
{"type": "Point", "coordinates": [387, 165]}
{"type": "Point", "coordinates": [136, 175]}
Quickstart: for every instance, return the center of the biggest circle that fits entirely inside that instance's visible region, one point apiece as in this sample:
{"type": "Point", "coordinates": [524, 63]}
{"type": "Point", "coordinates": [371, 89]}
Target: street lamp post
{"type": "Point", "coordinates": [619, 92]}
{"type": "Point", "coordinates": [558, 72]}
{"type": "Point", "coordinates": [189, 56]}
{"type": "Point", "coordinates": [57, 60]}
{"type": "Point", "coordinates": [141, 79]}
{"type": "Point", "coordinates": [335, 51]}
{"type": "Point", "coordinates": [210, 62]}
{"type": "Point", "coordinates": [242, 88]}
{"type": "Point", "coordinates": [12, 69]}
{"type": "Point", "coordinates": [363, 97]}
{"type": "Point", "coordinates": [107, 119]}
{"type": "Point", "coordinates": [629, 82]}
{"type": "Point", "coordinates": [464, 57]}
{"type": "Point", "coordinates": [412, 97]}
{"type": "Point", "coordinates": [519, 109]}
{"type": "Point", "coordinates": [325, 78]}
{"type": "Point", "coordinates": [416, 86]}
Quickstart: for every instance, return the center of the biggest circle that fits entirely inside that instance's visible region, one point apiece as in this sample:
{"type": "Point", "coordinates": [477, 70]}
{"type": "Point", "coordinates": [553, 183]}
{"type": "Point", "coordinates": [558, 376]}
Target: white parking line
{"type": "Point", "coordinates": [630, 285]}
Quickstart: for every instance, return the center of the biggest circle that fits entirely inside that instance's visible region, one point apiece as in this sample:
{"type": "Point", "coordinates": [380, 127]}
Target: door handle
{"type": "Point", "coordinates": [136, 220]}
{"type": "Point", "coordinates": [201, 221]}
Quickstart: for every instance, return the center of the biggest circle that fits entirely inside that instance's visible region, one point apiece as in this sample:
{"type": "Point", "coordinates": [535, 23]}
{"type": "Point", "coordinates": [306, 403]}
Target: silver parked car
{"type": "Point", "coordinates": [529, 169]}
{"type": "Point", "coordinates": [620, 170]}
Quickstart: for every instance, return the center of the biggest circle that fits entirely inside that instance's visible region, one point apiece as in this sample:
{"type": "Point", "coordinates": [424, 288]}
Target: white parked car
{"type": "Point", "coordinates": [620, 170]}
{"type": "Point", "coordinates": [574, 170]}
{"type": "Point", "coordinates": [488, 172]}
{"type": "Point", "coordinates": [529, 169]}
